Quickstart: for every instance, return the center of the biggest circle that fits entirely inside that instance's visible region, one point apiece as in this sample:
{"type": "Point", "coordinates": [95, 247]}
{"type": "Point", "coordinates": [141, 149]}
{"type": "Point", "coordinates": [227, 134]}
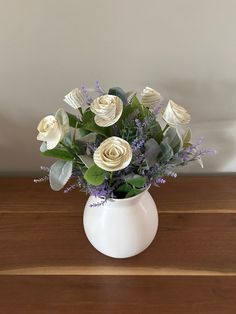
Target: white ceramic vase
{"type": "Point", "coordinates": [121, 227]}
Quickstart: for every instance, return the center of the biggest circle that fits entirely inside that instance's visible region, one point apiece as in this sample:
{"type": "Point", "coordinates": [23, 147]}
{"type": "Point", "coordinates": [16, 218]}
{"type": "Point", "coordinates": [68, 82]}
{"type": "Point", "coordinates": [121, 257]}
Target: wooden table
{"type": "Point", "coordinates": [48, 266]}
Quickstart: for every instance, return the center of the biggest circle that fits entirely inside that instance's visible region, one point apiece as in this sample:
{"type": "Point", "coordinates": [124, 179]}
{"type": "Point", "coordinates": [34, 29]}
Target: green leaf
{"type": "Point", "coordinates": [124, 188]}
{"type": "Point", "coordinates": [127, 110]}
{"type": "Point", "coordinates": [95, 175]}
{"type": "Point", "coordinates": [132, 192]}
{"type": "Point", "coordinates": [117, 91]}
{"type": "Point", "coordinates": [73, 120]}
{"type": "Point", "coordinates": [60, 173]}
{"type": "Point", "coordinates": [136, 181]}
{"type": "Point", "coordinates": [90, 125]}
{"type": "Point", "coordinates": [143, 111]}
{"type": "Point", "coordinates": [83, 132]}
{"type": "Point", "coordinates": [58, 153]}
{"type": "Point", "coordinates": [135, 104]}
{"type": "Point", "coordinates": [156, 131]}
{"type": "Point", "coordinates": [152, 150]}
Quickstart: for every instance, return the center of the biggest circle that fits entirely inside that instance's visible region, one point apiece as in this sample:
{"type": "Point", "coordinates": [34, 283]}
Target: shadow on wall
{"type": "Point", "coordinates": [205, 99]}
{"type": "Point", "coordinates": [19, 147]}
{"type": "Point", "coordinates": [220, 136]}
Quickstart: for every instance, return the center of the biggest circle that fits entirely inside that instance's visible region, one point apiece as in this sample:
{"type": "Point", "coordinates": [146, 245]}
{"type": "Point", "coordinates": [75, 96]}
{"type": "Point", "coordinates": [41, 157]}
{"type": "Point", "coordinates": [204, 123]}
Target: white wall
{"type": "Point", "coordinates": [186, 49]}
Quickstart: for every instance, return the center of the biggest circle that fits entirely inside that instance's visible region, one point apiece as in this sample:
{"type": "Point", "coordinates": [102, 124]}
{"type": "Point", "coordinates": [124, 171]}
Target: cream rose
{"type": "Point", "coordinates": [175, 114]}
{"type": "Point", "coordinates": [107, 109]}
{"type": "Point", "coordinates": [75, 98]}
{"type": "Point", "coordinates": [113, 154]}
{"type": "Point", "coordinates": [52, 129]}
{"type": "Point", "coordinates": [150, 97]}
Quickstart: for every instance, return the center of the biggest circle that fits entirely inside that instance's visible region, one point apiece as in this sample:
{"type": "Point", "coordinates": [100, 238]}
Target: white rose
{"type": "Point", "coordinates": [113, 154]}
{"type": "Point", "coordinates": [175, 114]}
{"type": "Point", "coordinates": [75, 98]}
{"type": "Point", "coordinates": [150, 97]}
{"type": "Point", "coordinates": [107, 109]}
{"type": "Point", "coordinates": [52, 129]}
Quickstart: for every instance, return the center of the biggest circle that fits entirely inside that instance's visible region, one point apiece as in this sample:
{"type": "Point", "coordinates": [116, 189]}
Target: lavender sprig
{"type": "Point", "coordinates": [42, 179]}
{"type": "Point", "coordinates": [72, 187]}
{"type": "Point", "coordinates": [99, 89]}
{"type": "Point", "coordinates": [88, 98]}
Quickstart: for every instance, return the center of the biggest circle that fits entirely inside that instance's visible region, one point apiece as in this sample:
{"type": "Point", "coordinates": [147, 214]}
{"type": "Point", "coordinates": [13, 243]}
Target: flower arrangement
{"type": "Point", "coordinates": [116, 145]}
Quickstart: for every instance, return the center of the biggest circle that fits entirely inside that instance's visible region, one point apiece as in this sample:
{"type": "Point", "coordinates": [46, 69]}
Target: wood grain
{"type": "Point", "coordinates": [185, 244]}
{"type": "Point", "coordinates": [117, 295]}
{"type": "Point", "coordinates": [189, 268]}
{"type": "Point", "coordinates": [184, 194]}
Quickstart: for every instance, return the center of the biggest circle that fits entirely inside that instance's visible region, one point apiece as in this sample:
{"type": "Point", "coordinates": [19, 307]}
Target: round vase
{"type": "Point", "coordinates": [121, 228]}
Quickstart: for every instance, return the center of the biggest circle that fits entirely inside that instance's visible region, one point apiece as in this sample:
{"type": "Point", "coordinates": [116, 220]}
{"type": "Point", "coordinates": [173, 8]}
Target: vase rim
{"type": "Point", "coordinates": [129, 198]}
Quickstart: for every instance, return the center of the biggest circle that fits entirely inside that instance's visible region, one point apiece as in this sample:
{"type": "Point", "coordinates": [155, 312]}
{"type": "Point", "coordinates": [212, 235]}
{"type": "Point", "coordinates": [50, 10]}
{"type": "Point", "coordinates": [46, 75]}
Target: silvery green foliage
{"type": "Point", "coordinates": [59, 174]}
{"type": "Point", "coordinates": [86, 160]}
{"type": "Point", "coordinates": [89, 138]}
{"type": "Point", "coordinates": [62, 118]}
{"type": "Point", "coordinates": [166, 151]}
{"type": "Point", "coordinates": [43, 147]}
{"type": "Point", "coordinates": [152, 150]}
{"type": "Point", "coordinates": [173, 139]}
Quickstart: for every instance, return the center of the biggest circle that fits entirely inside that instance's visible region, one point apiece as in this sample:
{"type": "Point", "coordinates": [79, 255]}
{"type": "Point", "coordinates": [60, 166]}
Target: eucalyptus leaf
{"type": "Point", "coordinates": [173, 139]}
{"type": "Point", "coordinates": [132, 192]}
{"type": "Point", "coordinates": [137, 181]}
{"type": "Point", "coordinates": [59, 174]}
{"type": "Point", "coordinates": [94, 175]}
{"type": "Point", "coordinates": [67, 140]}
{"type": "Point", "coordinates": [89, 138]}
{"type": "Point", "coordinates": [166, 151]}
{"type": "Point", "coordinates": [43, 147]}
{"type": "Point", "coordinates": [117, 91]}
{"type": "Point", "coordinates": [124, 188]}
{"type": "Point", "coordinates": [86, 160]}
{"type": "Point", "coordinates": [62, 117]}
{"type": "Point", "coordinates": [152, 150]}
{"type": "Point", "coordinates": [156, 130]}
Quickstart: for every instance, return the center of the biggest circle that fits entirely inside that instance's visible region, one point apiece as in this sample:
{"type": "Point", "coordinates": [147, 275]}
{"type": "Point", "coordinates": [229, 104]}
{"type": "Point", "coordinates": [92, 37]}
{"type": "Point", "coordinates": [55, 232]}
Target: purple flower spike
{"type": "Point", "coordinates": [137, 144]}
{"type": "Point", "coordinates": [85, 92]}
{"type": "Point", "coordinates": [72, 187]}
{"type": "Point", "coordinates": [40, 180]}
{"type": "Point", "coordinates": [160, 181]}
{"type": "Point", "coordinates": [99, 89]}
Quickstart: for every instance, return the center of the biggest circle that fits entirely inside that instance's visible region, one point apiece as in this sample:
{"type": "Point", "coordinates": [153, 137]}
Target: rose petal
{"type": "Point", "coordinates": [113, 154]}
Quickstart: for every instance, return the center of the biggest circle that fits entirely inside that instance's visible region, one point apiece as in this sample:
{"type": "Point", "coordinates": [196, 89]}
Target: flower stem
{"type": "Point", "coordinates": [111, 175]}
{"type": "Point", "coordinates": [75, 131]}
{"type": "Point", "coordinates": [165, 128]}
{"type": "Point", "coordinates": [81, 112]}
